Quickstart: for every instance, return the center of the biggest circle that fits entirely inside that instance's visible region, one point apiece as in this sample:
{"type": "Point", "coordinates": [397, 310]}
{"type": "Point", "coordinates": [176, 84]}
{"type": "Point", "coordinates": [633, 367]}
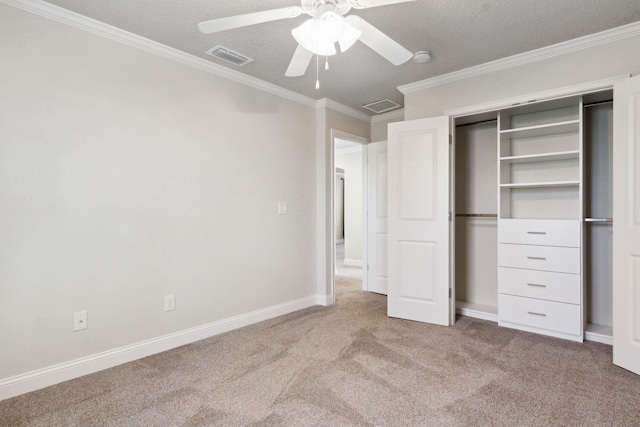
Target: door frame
{"type": "Point", "coordinates": [338, 134]}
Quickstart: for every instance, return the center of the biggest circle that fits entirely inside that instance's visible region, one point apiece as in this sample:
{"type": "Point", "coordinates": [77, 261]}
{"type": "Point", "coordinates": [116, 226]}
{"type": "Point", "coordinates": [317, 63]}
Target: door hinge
{"type": "Point", "coordinates": [450, 293]}
{"type": "Point", "coordinates": [367, 267]}
{"type": "Point", "coordinates": [450, 139]}
{"type": "Point", "coordinates": [449, 215]}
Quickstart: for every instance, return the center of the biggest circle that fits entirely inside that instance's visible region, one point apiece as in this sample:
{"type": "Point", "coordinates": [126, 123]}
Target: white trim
{"type": "Point", "coordinates": [40, 378]}
{"type": "Point", "coordinates": [596, 337]}
{"type": "Point", "coordinates": [341, 108]}
{"type": "Point", "coordinates": [477, 314]}
{"type": "Point", "coordinates": [574, 90]}
{"type": "Point", "coordinates": [82, 22]}
{"type": "Point", "coordinates": [353, 262]}
{"type": "Point", "coordinates": [598, 333]}
{"type": "Point", "coordinates": [392, 115]}
{"type": "Point", "coordinates": [325, 300]}
{"type": "Point", "coordinates": [563, 48]}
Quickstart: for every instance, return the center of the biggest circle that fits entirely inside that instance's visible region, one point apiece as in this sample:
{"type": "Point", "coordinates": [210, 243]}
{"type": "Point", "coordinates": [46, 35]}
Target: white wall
{"type": "Point", "coordinates": [126, 176]}
{"type": "Point", "coordinates": [352, 164]}
{"type": "Point", "coordinates": [380, 123]}
{"type": "Point", "coordinates": [590, 64]}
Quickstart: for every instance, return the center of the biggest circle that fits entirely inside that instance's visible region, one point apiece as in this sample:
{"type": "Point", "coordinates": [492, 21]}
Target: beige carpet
{"type": "Point", "coordinates": [349, 365]}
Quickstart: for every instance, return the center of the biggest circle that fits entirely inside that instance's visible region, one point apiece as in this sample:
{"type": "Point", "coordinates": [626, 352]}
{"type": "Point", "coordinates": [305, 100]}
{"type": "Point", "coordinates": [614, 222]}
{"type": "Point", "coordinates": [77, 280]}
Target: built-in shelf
{"type": "Point", "coordinates": [542, 130]}
{"type": "Point", "coordinates": [545, 157]}
{"type": "Point", "coordinates": [541, 184]}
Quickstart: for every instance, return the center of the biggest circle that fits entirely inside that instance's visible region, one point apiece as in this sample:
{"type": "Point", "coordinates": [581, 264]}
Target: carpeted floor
{"type": "Point", "coordinates": [349, 364]}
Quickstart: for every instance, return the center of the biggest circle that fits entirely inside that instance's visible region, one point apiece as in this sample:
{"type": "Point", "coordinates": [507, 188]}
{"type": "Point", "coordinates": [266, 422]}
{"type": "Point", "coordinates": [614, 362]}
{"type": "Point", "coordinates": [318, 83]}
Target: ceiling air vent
{"type": "Point", "coordinates": [229, 55]}
{"type": "Point", "coordinates": [383, 106]}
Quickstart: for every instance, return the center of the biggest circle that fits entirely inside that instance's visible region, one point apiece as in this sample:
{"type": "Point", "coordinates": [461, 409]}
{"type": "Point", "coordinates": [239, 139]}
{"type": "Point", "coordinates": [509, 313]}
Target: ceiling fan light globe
{"type": "Point", "coordinates": [331, 26]}
{"type": "Point", "coordinates": [324, 49]}
{"type": "Point", "coordinates": [350, 35]}
{"type": "Point", "coordinates": [309, 36]}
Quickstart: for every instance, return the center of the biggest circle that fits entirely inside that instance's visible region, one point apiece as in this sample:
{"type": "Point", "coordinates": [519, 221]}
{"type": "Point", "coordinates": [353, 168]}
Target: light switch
{"type": "Point", "coordinates": [282, 208]}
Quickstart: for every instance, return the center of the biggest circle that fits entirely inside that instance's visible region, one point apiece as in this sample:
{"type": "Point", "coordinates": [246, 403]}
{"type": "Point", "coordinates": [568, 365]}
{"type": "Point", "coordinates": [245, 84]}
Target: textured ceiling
{"type": "Point", "coordinates": [458, 33]}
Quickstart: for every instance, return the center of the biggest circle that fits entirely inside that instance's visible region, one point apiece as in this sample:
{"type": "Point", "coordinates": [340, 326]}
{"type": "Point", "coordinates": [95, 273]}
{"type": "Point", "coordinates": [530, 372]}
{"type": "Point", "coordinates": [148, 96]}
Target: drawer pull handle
{"type": "Point", "coordinates": [536, 232]}
{"type": "Point", "coordinates": [536, 285]}
{"type": "Point", "coordinates": [537, 257]}
{"type": "Point", "coordinates": [533, 313]}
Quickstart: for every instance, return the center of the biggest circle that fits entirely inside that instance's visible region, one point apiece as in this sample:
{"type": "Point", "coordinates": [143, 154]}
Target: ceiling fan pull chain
{"type": "Point", "coordinates": [317, 72]}
{"type": "Point", "coordinates": [326, 64]}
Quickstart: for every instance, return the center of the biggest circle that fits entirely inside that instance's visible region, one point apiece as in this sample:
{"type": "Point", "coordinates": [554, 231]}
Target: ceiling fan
{"type": "Point", "coordinates": [319, 34]}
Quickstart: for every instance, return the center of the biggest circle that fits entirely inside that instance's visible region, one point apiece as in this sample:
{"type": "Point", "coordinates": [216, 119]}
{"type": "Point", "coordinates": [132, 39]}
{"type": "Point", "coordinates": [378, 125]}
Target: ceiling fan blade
{"type": "Point", "coordinates": [364, 4]}
{"type": "Point", "coordinates": [382, 44]}
{"type": "Point", "coordinates": [299, 63]}
{"type": "Point", "coordinates": [231, 22]}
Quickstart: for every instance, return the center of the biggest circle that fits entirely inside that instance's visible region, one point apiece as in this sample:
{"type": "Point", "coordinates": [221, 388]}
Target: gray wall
{"type": "Point", "coordinates": [124, 177]}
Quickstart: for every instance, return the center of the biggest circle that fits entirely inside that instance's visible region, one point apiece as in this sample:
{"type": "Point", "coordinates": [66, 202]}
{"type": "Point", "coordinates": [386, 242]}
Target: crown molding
{"type": "Point", "coordinates": [391, 115]}
{"type": "Point", "coordinates": [341, 108]}
{"type": "Point", "coordinates": [608, 36]}
{"type": "Point", "coordinates": [82, 22]}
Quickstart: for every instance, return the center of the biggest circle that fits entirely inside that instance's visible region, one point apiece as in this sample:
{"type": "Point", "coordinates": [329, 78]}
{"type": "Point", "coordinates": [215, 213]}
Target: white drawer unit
{"type": "Point", "coordinates": [549, 317]}
{"type": "Point", "coordinates": [545, 258]}
{"type": "Point", "coordinates": [561, 287]}
{"type": "Point", "coordinates": [543, 232]}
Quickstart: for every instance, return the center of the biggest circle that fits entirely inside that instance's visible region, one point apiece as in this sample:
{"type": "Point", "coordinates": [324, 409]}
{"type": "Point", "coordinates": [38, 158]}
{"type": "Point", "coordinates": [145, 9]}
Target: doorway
{"type": "Point", "coordinates": [348, 207]}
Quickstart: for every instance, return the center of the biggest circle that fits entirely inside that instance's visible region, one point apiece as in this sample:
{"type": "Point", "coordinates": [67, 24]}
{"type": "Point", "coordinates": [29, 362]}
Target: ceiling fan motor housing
{"type": "Point", "coordinates": [316, 8]}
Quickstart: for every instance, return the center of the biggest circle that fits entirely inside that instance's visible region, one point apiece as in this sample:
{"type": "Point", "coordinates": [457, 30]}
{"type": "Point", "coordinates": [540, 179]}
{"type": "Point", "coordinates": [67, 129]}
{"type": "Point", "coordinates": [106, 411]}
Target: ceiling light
{"type": "Point", "coordinates": [319, 35]}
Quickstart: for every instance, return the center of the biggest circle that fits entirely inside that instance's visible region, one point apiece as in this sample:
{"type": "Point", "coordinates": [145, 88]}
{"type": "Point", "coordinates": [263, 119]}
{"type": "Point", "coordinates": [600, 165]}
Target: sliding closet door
{"type": "Point", "coordinates": [626, 225]}
{"type": "Point", "coordinates": [418, 220]}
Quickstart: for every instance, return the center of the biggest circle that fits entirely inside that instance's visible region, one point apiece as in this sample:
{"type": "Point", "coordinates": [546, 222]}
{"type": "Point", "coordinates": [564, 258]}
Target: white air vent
{"type": "Point", "coordinates": [383, 106]}
{"type": "Point", "coordinates": [229, 55]}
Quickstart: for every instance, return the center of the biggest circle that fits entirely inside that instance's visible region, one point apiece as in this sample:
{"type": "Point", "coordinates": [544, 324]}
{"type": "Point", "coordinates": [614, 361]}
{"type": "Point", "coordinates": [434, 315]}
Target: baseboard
{"type": "Point", "coordinates": [325, 300]}
{"type": "Point", "coordinates": [34, 380]}
{"type": "Point", "coordinates": [353, 262]}
{"type": "Point", "coordinates": [599, 333]}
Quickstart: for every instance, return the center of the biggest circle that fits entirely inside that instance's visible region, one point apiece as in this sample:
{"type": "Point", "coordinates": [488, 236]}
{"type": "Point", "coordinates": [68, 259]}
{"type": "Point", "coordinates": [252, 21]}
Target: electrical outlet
{"type": "Point", "coordinates": [80, 320]}
{"type": "Point", "coordinates": [169, 302]}
{"type": "Point", "coordinates": [283, 209]}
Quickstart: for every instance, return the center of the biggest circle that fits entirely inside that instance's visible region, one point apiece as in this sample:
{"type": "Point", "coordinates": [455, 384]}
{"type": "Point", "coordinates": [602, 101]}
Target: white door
{"type": "Point", "coordinates": [418, 220]}
{"type": "Point", "coordinates": [377, 217]}
{"type": "Point", "coordinates": [626, 225]}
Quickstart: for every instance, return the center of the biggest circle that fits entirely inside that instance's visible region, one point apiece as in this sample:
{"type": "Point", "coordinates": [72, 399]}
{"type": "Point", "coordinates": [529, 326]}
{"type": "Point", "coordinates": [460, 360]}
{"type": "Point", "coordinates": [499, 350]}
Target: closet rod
{"type": "Point", "coordinates": [477, 123]}
{"type": "Point", "coordinates": [595, 104]}
{"type": "Point", "coordinates": [599, 220]}
{"type": "Point", "coordinates": [472, 215]}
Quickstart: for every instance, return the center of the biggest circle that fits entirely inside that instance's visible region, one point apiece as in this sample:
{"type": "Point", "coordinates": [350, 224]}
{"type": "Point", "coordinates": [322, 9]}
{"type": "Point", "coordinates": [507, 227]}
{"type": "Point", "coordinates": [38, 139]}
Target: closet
{"type": "Point", "coordinates": [532, 198]}
{"type": "Point", "coordinates": [523, 211]}
{"type": "Point", "coordinates": [476, 217]}
{"type": "Point", "coordinates": [598, 219]}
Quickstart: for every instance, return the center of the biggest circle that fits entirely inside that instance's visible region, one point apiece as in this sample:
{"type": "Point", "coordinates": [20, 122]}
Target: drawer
{"type": "Point", "coordinates": [540, 232]}
{"type": "Point", "coordinates": [561, 287]}
{"type": "Point", "coordinates": [546, 258]}
{"type": "Point", "coordinates": [534, 313]}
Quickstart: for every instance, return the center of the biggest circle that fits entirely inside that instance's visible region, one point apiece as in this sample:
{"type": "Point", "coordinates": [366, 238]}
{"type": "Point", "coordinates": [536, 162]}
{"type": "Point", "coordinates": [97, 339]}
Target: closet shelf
{"type": "Point", "coordinates": [542, 130]}
{"type": "Point", "coordinates": [531, 158]}
{"type": "Point", "coordinates": [541, 184]}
